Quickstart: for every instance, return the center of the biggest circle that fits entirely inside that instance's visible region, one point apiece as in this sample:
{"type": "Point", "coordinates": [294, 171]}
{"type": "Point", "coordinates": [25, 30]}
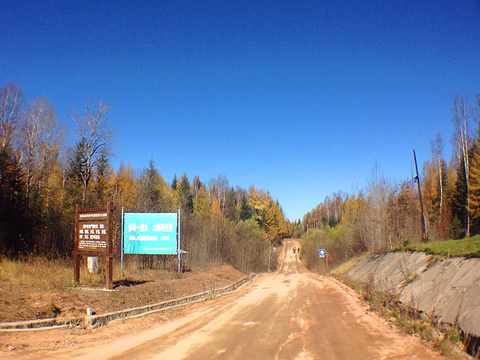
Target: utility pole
{"type": "Point", "coordinates": [417, 178]}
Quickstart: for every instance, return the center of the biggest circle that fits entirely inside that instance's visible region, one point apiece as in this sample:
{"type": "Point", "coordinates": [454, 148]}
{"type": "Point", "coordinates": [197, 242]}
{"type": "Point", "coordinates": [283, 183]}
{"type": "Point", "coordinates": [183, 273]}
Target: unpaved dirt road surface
{"type": "Point", "coordinates": [291, 314]}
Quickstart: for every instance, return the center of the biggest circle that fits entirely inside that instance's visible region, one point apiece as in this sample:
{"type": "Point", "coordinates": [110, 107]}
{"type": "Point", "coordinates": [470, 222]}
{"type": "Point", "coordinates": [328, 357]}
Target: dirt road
{"type": "Point", "coordinates": [292, 314]}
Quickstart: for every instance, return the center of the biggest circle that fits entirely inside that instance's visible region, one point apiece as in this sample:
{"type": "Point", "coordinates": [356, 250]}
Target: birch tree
{"type": "Point", "coordinates": [11, 98]}
{"type": "Point", "coordinates": [378, 190]}
{"type": "Point", "coordinates": [437, 153]}
{"type": "Point", "coordinates": [40, 138]}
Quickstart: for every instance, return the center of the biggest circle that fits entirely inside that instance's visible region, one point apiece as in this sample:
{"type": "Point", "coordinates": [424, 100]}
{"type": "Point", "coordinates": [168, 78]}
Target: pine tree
{"type": "Point", "coordinates": [185, 193]}
{"type": "Point", "coordinates": [175, 183]}
{"type": "Point", "coordinates": [73, 175]}
{"type": "Point", "coordinates": [153, 193]}
{"type": "Point", "coordinates": [460, 197]}
{"type": "Point", "coordinates": [230, 205]}
{"type": "Point", "coordinates": [103, 175]}
{"type": "Point", "coordinates": [15, 225]}
{"type": "Point", "coordinates": [246, 211]}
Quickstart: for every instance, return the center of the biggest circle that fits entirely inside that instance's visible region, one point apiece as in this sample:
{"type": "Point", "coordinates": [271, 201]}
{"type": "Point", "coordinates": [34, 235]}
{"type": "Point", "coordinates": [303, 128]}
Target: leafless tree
{"type": "Point", "coordinates": [221, 187]}
{"type": "Point", "coordinates": [10, 106]}
{"type": "Point", "coordinates": [11, 97]}
{"type": "Point", "coordinates": [96, 134]}
{"type": "Point", "coordinates": [437, 152]}
{"type": "Point", "coordinates": [378, 190]}
{"type": "Point", "coordinates": [41, 138]}
{"type": "Point", "coordinates": [476, 109]}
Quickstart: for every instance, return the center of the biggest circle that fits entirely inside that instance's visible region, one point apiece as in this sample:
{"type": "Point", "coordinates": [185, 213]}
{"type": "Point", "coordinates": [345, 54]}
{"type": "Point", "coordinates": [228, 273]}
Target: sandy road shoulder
{"type": "Point", "coordinates": [59, 343]}
{"type": "Point", "coordinates": [401, 343]}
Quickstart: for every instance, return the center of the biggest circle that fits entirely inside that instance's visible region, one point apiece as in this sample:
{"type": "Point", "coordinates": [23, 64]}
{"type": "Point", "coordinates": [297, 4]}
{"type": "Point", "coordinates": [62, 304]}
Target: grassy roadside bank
{"type": "Point", "coordinates": [468, 247]}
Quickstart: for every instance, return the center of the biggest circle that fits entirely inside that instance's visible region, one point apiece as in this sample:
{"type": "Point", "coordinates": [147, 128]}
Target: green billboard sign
{"type": "Point", "coordinates": [150, 233]}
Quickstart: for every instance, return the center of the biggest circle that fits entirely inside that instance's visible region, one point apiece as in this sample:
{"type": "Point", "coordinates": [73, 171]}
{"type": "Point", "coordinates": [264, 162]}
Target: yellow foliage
{"type": "Point", "coordinates": [200, 206]}
{"type": "Point", "coordinates": [215, 212]}
{"type": "Point", "coordinates": [126, 191]}
{"type": "Point", "coordinates": [254, 202]}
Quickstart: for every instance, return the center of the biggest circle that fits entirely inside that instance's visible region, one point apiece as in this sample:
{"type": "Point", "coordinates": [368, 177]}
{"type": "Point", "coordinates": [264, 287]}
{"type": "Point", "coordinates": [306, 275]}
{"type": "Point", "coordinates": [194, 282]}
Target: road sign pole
{"type": "Point", "coordinates": [178, 246]}
{"type": "Point", "coordinates": [121, 237]}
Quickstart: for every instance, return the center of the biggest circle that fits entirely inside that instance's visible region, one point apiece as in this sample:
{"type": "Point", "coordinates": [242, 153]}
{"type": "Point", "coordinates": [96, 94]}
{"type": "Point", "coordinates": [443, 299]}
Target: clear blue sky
{"type": "Point", "coordinates": [300, 98]}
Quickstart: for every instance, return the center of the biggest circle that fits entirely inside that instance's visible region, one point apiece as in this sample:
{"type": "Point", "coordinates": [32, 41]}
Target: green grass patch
{"type": "Point", "coordinates": [348, 265]}
{"type": "Point", "coordinates": [468, 247]}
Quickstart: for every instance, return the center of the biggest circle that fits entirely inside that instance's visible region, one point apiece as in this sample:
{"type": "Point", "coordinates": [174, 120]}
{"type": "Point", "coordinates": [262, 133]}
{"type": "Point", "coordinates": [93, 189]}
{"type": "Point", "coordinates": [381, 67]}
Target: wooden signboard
{"type": "Point", "coordinates": [94, 237]}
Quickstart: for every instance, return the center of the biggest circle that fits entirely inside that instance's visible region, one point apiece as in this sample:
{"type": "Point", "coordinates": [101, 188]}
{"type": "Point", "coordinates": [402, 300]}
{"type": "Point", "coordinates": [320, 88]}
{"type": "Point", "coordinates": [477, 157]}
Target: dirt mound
{"type": "Point", "coordinates": [27, 302]}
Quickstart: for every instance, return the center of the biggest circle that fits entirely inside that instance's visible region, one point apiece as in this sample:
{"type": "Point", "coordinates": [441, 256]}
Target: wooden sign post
{"type": "Point", "coordinates": [94, 237]}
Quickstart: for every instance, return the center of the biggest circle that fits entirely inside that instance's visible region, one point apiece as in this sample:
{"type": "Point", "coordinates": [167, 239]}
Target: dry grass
{"type": "Point", "coordinates": [36, 271]}
{"type": "Point", "coordinates": [442, 337]}
{"type": "Point", "coordinates": [58, 274]}
{"type": "Point", "coordinates": [345, 267]}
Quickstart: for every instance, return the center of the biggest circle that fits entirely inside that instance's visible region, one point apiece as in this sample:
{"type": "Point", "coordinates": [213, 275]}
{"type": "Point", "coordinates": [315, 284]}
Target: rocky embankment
{"type": "Point", "coordinates": [446, 289]}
